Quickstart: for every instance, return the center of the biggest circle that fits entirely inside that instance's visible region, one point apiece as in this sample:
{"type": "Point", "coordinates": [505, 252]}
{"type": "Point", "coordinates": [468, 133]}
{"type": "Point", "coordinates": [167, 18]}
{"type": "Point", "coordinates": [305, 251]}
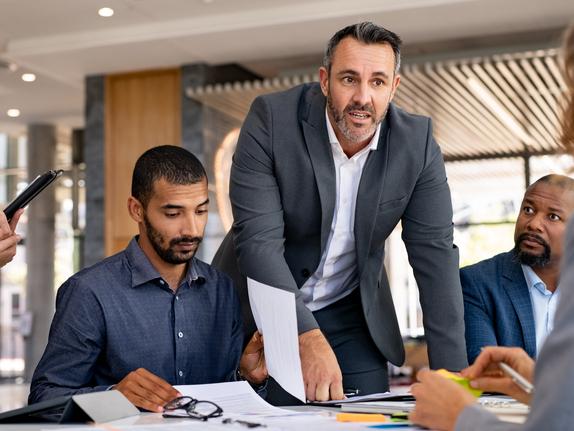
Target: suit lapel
{"type": "Point", "coordinates": [369, 194]}
{"type": "Point", "coordinates": [321, 155]}
{"type": "Point", "coordinates": [517, 290]}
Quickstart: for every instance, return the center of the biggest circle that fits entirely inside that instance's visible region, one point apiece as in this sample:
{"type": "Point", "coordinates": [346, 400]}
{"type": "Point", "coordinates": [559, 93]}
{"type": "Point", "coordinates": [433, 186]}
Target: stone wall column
{"type": "Point", "coordinates": [40, 245]}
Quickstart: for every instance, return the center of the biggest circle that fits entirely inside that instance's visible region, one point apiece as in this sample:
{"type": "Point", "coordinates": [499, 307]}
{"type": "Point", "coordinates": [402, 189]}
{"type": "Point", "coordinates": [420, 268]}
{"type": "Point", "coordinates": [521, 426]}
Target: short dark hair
{"type": "Point", "coordinates": [174, 164]}
{"type": "Point", "coordinates": [562, 181]}
{"type": "Point", "coordinates": [368, 33]}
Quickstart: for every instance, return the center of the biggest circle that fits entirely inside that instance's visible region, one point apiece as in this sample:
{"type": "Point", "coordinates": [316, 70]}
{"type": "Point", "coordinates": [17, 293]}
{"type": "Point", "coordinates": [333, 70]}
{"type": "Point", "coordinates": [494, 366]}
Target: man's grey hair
{"type": "Point", "coordinates": [368, 33]}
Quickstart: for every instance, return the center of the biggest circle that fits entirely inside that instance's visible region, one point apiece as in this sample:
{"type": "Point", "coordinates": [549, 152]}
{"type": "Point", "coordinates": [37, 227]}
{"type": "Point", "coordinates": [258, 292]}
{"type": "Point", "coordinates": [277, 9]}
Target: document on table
{"type": "Point", "coordinates": [276, 318]}
{"type": "Point", "coordinates": [232, 397]}
{"type": "Point", "coordinates": [381, 396]}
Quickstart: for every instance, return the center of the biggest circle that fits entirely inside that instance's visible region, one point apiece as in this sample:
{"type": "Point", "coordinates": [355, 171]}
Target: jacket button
{"type": "Point", "coordinates": [305, 273]}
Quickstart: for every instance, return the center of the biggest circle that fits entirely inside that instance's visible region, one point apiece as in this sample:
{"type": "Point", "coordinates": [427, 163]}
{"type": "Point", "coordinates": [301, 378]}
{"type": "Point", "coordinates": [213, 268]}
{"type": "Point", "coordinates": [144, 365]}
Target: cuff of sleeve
{"type": "Point", "coordinates": [305, 319]}
{"type": "Point", "coordinates": [257, 387]}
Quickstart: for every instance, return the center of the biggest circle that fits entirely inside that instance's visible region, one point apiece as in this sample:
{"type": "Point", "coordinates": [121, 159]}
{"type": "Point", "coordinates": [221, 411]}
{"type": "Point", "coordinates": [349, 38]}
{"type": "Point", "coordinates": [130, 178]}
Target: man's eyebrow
{"type": "Point", "coordinates": [556, 209]}
{"type": "Point", "coordinates": [355, 73]}
{"type": "Point", "coordinates": [175, 206]}
{"type": "Point", "coordinates": [553, 209]}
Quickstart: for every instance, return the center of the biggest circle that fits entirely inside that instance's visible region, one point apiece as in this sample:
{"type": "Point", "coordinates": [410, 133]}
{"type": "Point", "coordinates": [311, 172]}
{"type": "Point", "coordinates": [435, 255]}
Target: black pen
{"type": "Point", "coordinates": [242, 422]}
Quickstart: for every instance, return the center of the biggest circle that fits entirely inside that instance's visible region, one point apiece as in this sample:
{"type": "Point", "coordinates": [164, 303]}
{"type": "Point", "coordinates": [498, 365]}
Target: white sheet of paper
{"type": "Point", "coordinates": [276, 318]}
{"type": "Point", "coordinates": [232, 397]}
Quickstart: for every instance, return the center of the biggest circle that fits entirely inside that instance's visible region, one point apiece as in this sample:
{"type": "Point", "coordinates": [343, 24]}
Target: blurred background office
{"type": "Point", "coordinates": [86, 86]}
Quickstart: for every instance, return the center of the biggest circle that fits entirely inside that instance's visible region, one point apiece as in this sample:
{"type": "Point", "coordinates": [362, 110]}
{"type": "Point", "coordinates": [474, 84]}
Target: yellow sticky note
{"type": "Point", "coordinates": [361, 417]}
{"type": "Point", "coordinates": [464, 382]}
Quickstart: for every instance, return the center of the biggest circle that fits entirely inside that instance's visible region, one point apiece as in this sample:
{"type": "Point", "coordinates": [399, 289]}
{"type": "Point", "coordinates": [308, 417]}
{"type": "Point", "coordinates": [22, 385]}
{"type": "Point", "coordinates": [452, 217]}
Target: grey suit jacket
{"type": "Point", "coordinates": [282, 192]}
{"type": "Point", "coordinates": [551, 407]}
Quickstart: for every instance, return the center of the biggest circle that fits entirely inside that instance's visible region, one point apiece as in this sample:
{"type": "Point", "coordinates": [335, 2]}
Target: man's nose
{"type": "Point", "coordinates": [362, 94]}
{"type": "Point", "coordinates": [192, 227]}
{"type": "Point", "coordinates": [536, 222]}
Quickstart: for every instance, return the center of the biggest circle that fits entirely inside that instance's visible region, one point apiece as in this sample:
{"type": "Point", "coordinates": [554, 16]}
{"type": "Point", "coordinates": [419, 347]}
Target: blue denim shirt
{"type": "Point", "coordinates": [120, 315]}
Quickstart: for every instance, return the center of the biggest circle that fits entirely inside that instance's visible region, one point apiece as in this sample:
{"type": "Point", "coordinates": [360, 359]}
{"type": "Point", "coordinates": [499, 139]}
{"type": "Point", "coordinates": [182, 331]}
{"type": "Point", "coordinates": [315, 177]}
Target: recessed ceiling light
{"type": "Point", "coordinates": [28, 77]}
{"type": "Point", "coordinates": [13, 112]}
{"type": "Point", "coordinates": [106, 12]}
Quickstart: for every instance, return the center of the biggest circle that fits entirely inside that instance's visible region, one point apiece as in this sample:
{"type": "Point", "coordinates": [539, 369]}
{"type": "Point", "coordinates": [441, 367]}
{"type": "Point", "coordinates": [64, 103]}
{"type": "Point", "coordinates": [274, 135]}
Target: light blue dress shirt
{"type": "Point", "coordinates": [544, 304]}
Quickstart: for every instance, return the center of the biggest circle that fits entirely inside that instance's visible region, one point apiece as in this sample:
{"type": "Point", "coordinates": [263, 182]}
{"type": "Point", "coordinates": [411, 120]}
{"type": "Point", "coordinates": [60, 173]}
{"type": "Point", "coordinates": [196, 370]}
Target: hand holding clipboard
{"type": "Point", "coordinates": [30, 192]}
{"type": "Point", "coordinates": [8, 237]}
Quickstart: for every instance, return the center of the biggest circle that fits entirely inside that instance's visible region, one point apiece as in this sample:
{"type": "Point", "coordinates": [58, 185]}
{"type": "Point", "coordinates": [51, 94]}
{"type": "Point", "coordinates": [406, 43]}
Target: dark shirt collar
{"type": "Point", "coordinates": [143, 271]}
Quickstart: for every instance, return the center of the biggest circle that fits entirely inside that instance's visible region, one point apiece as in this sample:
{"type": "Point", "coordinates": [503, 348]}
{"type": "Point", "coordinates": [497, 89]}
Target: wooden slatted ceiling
{"type": "Point", "coordinates": [483, 107]}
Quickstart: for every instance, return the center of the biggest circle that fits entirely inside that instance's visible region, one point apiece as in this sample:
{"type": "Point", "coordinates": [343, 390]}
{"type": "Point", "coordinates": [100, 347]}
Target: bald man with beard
{"type": "Point", "coordinates": [510, 299]}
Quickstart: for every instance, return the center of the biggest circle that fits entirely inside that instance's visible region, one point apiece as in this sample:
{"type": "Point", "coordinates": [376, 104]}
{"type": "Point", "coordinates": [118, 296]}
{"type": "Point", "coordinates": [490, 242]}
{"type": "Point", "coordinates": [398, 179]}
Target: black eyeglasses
{"type": "Point", "coordinates": [195, 409]}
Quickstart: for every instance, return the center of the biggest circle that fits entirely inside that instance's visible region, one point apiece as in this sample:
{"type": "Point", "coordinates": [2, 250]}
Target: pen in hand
{"type": "Point", "coordinates": [524, 384]}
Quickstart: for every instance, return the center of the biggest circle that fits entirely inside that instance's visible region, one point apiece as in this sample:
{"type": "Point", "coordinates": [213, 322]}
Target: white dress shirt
{"type": "Point", "coordinates": [544, 304]}
{"type": "Point", "coordinates": [336, 276]}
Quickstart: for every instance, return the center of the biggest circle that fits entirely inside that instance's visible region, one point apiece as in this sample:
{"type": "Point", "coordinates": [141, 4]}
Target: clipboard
{"type": "Point", "coordinates": [30, 192]}
{"type": "Point", "coordinates": [96, 407]}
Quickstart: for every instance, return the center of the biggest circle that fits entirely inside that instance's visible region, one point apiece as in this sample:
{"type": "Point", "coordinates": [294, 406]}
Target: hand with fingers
{"type": "Point", "coordinates": [252, 364]}
{"type": "Point", "coordinates": [146, 390]}
{"type": "Point", "coordinates": [439, 401]}
{"type": "Point", "coordinates": [321, 371]}
{"type": "Point", "coordinates": [486, 374]}
{"type": "Point", "coordinates": [8, 237]}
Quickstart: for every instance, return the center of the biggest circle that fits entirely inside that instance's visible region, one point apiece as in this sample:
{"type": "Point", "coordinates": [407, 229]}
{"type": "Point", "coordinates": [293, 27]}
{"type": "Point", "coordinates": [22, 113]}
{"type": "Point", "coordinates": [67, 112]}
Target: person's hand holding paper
{"type": "Point", "coordinates": [252, 365]}
{"type": "Point", "coordinates": [274, 313]}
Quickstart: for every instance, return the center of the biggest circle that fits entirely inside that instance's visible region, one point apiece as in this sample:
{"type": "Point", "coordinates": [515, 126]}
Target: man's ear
{"type": "Point", "coordinates": [136, 210]}
{"type": "Point", "coordinates": [396, 82]}
{"type": "Point", "coordinates": [324, 80]}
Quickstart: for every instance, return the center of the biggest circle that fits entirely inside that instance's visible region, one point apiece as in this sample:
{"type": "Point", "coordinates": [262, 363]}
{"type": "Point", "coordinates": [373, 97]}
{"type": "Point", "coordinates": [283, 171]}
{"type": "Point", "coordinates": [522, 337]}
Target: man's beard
{"type": "Point", "coordinates": [527, 258]}
{"type": "Point", "coordinates": [168, 254]}
{"type": "Point", "coordinates": [354, 135]}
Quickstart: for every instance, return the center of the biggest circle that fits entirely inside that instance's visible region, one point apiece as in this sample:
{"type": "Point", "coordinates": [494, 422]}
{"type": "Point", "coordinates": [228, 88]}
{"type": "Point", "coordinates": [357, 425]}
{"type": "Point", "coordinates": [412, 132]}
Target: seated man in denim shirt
{"type": "Point", "coordinates": [152, 315]}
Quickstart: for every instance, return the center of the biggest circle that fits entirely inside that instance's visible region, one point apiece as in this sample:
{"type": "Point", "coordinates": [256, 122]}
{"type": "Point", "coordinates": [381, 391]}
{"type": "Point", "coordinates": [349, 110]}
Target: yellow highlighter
{"type": "Point", "coordinates": [464, 382]}
{"type": "Point", "coordinates": [361, 417]}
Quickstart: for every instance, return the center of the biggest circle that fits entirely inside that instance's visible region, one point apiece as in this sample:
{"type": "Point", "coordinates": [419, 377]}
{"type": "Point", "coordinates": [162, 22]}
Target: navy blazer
{"type": "Point", "coordinates": [497, 306]}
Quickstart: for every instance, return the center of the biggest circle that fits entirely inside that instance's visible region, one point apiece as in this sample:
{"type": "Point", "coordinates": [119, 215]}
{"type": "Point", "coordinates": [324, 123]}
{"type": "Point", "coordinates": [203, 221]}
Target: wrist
{"type": "Point", "coordinates": [241, 375]}
{"type": "Point", "coordinates": [310, 336]}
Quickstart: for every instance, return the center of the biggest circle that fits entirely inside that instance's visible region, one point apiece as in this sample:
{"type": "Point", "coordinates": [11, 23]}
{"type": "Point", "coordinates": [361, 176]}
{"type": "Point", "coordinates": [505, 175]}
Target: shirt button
{"type": "Point", "coordinates": [162, 282]}
{"type": "Point", "coordinates": [177, 297]}
{"type": "Point", "coordinates": [180, 373]}
{"type": "Point", "coordinates": [180, 334]}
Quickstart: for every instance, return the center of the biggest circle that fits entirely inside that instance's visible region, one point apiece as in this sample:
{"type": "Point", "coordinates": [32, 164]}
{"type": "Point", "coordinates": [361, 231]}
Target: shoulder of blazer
{"type": "Point", "coordinates": [399, 118]}
{"type": "Point", "coordinates": [493, 267]}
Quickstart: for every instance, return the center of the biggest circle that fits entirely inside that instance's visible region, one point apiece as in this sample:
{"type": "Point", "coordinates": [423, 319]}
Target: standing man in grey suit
{"type": "Point", "coordinates": [321, 176]}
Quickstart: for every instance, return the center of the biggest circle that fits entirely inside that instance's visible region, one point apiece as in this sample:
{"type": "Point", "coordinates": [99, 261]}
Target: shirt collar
{"type": "Point", "coordinates": [143, 271]}
{"type": "Point", "coordinates": [373, 145]}
{"type": "Point", "coordinates": [533, 281]}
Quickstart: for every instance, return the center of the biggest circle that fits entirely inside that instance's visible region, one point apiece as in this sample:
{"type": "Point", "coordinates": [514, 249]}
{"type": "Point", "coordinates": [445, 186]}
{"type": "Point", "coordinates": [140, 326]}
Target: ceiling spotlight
{"type": "Point", "coordinates": [13, 112]}
{"type": "Point", "coordinates": [28, 77]}
{"type": "Point", "coordinates": [106, 12]}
